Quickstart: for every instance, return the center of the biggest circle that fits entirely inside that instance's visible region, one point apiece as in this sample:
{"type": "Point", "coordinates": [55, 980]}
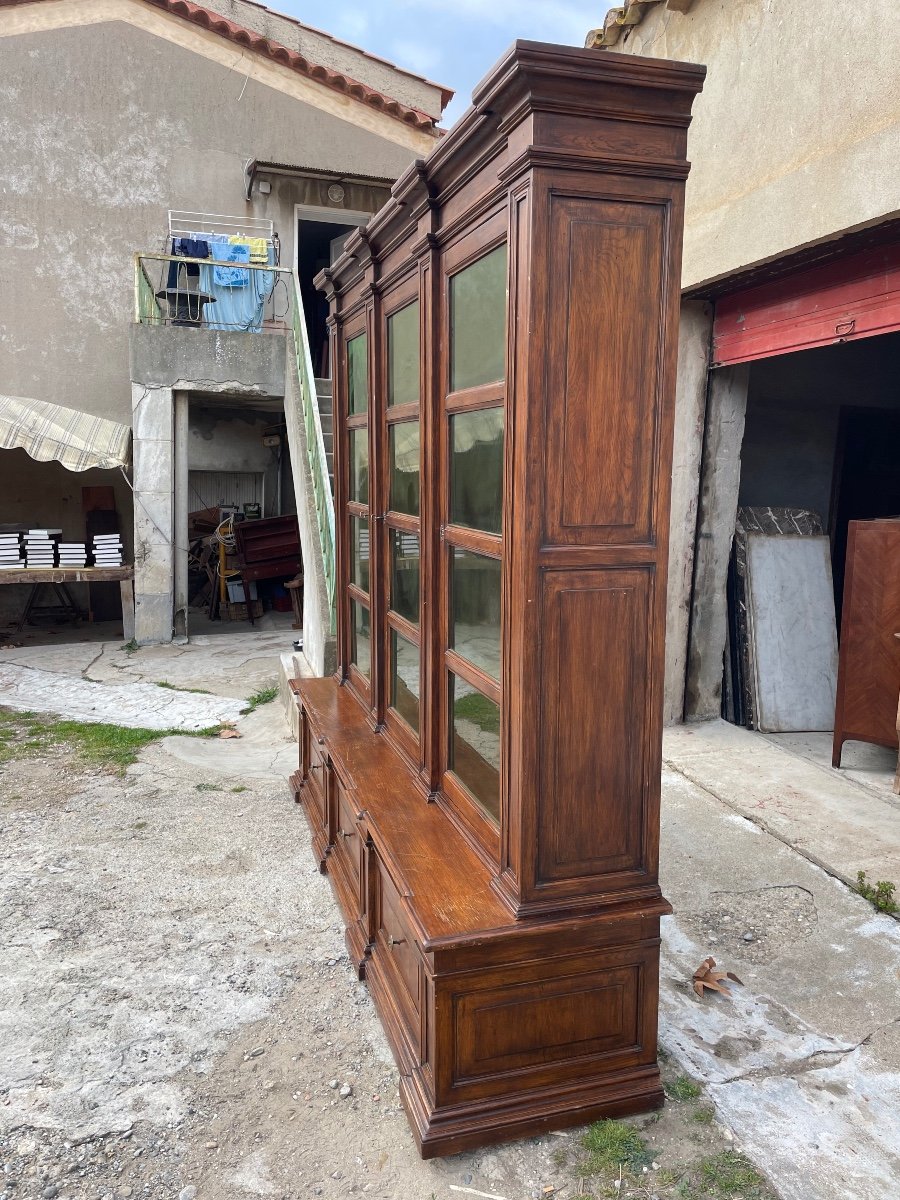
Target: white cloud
{"type": "Point", "coordinates": [349, 23]}
{"type": "Point", "coordinates": [416, 56]}
{"type": "Point", "coordinates": [549, 20]}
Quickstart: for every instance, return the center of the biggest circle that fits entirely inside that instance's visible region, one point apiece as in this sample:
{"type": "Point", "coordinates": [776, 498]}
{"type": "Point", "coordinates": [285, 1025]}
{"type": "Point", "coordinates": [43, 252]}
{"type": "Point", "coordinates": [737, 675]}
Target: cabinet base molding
{"type": "Point", "coordinates": [452, 1131]}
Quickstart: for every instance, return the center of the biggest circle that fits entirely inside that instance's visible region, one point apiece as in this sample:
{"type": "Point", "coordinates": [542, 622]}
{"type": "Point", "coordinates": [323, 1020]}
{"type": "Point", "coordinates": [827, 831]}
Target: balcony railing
{"type": "Point", "coordinates": [164, 298]}
{"type": "Point", "coordinates": [206, 293]}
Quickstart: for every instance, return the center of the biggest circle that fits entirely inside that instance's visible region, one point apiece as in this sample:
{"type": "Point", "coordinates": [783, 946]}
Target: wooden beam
{"type": "Point", "coordinates": [68, 575]}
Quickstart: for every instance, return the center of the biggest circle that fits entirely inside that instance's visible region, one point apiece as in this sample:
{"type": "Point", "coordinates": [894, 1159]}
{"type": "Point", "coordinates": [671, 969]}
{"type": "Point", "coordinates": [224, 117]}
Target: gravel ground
{"type": "Point", "coordinates": [178, 1018]}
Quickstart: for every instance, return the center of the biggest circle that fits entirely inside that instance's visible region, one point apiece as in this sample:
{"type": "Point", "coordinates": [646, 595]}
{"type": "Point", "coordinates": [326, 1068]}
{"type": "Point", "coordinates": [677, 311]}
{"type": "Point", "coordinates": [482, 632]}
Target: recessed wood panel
{"type": "Point", "coordinates": [595, 743]}
{"type": "Point", "coordinates": [536, 1023]}
{"type": "Point", "coordinates": [601, 400]}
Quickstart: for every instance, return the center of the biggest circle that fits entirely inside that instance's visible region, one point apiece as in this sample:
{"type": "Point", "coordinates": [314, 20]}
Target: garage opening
{"type": "Point", "coordinates": [811, 591]}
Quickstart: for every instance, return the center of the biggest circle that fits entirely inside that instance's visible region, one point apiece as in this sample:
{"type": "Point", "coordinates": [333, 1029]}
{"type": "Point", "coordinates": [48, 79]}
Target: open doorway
{"type": "Point", "coordinates": [238, 476]}
{"type": "Point", "coordinates": [866, 478]}
{"type": "Point", "coordinates": [321, 234]}
{"type": "Point", "coordinates": [819, 452]}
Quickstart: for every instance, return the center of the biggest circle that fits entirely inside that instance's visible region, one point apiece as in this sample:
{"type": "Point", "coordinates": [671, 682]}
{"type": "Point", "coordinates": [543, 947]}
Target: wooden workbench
{"type": "Point", "coordinates": [124, 576]}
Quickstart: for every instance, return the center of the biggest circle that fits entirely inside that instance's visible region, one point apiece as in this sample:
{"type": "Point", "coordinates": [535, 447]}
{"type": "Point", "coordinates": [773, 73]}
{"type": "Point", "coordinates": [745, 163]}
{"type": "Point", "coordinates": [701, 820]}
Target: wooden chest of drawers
{"type": "Point", "coordinates": [501, 1027]}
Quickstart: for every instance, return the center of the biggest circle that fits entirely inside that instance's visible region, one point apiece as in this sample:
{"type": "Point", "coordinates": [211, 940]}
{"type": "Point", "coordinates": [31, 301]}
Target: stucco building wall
{"type": "Point", "coordinates": [89, 169]}
{"type": "Point", "coordinates": [796, 135]}
{"type": "Point", "coordinates": [795, 140]}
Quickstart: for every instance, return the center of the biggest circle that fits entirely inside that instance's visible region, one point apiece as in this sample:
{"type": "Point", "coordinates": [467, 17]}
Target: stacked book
{"type": "Point", "coordinates": [40, 548]}
{"type": "Point", "coordinates": [107, 550]}
{"type": "Point", "coordinates": [11, 558]}
{"type": "Point", "coordinates": [72, 554]}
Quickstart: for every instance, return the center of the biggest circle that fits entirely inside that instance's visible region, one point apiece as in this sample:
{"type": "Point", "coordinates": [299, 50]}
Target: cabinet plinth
{"type": "Point", "coordinates": [481, 778]}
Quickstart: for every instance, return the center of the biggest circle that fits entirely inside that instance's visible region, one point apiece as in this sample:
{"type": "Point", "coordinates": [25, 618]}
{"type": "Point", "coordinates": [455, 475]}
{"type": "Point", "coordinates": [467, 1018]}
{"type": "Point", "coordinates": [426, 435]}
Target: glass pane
{"type": "Point", "coordinates": [359, 465]}
{"type": "Point", "coordinates": [360, 638]}
{"type": "Point", "coordinates": [475, 744]}
{"type": "Point", "coordinates": [476, 469]}
{"type": "Point", "coordinates": [359, 552]}
{"type": "Point", "coordinates": [478, 322]}
{"type": "Point", "coordinates": [403, 355]}
{"type": "Point", "coordinates": [405, 575]}
{"type": "Point", "coordinates": [405, 679]}
{"type": "Point", "coordinates": [405, 467]}
{"type": "Point", "coordinates": [357, 374]}
{"type": "Point", "coordinates": [475, 609]}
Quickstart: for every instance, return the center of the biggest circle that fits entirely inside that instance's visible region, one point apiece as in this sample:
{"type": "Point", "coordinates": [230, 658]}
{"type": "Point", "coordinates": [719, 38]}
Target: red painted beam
{"type": "Point", "coordinates": [854, 297]}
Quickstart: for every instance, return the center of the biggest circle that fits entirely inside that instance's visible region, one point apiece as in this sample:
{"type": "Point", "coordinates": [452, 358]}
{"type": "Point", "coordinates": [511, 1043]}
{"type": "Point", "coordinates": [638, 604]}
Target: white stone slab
{"type": "Point", "coordinates": [790, 610]}
{"type": "Point", "coordinates": [135, 705]}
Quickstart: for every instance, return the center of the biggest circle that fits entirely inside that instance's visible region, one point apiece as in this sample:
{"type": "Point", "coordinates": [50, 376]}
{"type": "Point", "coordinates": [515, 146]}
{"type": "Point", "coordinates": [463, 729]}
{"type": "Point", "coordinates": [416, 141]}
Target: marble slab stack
{"type": "Point", "coordinates": [72, 554]}
{"type": "Point", "coordinates": [41, 548]}
{"type": "Point", "coordinates": [107, 550]}
{"type": "Point", "coordinates": [11, 552]}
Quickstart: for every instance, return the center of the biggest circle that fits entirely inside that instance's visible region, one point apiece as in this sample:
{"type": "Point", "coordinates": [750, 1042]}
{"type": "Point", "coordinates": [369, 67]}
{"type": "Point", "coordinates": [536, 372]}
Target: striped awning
{"type": "Point", "coordinates": [75, 439]}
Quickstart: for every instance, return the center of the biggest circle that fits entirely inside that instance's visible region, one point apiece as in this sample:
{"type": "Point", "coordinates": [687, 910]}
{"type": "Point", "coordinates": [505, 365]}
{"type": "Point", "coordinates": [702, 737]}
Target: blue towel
{"type": "Point", "coordinates": [231, 276]}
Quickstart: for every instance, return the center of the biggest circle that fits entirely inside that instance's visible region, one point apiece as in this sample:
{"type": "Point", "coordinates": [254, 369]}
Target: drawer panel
{"type": "Point", "coordinates": [396, 946]}
{"type": "Point", "coordinates": [348, 842]}
{"type": "Point", "coordinates": [316, 767]}
{"type": "Point", "coordinates": [578, 1015]}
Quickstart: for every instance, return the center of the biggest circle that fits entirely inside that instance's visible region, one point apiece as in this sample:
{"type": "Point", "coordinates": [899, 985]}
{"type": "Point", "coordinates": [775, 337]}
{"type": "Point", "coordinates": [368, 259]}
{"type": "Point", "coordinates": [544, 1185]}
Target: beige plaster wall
{"type": "Point", "coordinates": [103, 128]}
{"type": "Point", "coordinates": [796, 136]}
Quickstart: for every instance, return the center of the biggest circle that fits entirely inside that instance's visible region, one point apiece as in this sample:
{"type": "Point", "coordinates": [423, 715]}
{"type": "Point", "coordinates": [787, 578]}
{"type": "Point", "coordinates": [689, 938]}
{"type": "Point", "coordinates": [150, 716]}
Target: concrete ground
{"type": "Point", "coordinates": [176, 1002]}
{"type": "Point", "coordinates": [844, 820]}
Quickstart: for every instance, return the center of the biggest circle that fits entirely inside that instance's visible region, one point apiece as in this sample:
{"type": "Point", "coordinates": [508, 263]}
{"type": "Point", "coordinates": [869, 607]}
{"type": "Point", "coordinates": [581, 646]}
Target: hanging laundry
{"type": "Point", "coordinates": [225, 252]}
{"type": "Point", "coordinates": [237, 307]}
{"type": "Point", "coordinates": [259, 247]}
{"type": "Point", "coordinates": [186, 248]}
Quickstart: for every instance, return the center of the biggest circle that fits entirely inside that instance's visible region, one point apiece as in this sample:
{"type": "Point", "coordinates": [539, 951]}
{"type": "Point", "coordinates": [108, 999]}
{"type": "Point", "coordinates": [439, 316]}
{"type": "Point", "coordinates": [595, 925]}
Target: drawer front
{"type": "Point", "coordinates": [577, 1016]}
{"type": "Point", "coordinates": [348, 840]}
{"type": "Point", "coordinates": [396, 948]}
{"type": "Point", "coordinates": [315, 783]}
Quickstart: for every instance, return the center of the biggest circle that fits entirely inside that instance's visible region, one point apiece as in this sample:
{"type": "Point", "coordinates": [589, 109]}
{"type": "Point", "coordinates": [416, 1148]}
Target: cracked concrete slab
{"type": "Point", "coordinates": [134, 705]}
{"type": "Point", "coordinates": [802, 1062]}
{"type": "Point", "coordinates": [827, 815]}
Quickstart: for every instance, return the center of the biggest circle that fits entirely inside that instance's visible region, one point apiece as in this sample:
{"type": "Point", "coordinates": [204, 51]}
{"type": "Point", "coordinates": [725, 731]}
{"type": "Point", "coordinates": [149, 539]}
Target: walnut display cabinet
{"type": "Point", "coordinates": [482, 775]}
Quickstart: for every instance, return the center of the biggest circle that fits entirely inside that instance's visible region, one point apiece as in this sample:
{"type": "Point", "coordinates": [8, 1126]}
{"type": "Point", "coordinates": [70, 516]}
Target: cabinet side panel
{"type": "Point", "coordinates": [596, 711]}
{"type": "Point", "coordinates": [604, 317]}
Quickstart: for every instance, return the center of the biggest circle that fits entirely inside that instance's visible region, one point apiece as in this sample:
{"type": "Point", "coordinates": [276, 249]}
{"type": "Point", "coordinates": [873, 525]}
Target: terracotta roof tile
{"type": "Point", "coordinates": [447, 93]}
{"type": "Point", "coordinates": [336, 80]}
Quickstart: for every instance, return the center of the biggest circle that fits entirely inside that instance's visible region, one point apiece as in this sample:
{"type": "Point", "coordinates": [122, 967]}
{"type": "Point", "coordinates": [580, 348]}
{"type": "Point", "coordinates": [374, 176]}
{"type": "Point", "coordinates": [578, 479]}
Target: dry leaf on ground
{"type": "Point", "coordinates": [706, 977]}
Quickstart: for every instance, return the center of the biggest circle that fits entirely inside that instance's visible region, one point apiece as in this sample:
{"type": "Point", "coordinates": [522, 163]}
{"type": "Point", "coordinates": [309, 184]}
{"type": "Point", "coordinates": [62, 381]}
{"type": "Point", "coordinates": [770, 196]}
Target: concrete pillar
{"type": "Point", "coordinates": [720, 480]}
{"type": "Point", "coordinates": [154, 470]}
{"type": "Point", "coordinates": [694, 334]}
{"type": "Point", "coordinates": [179, 540]}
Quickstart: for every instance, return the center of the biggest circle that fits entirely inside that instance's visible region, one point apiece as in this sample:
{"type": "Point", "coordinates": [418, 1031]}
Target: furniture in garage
{"type": "Point", "coordinates": [482, 776]}
{"type": "Point", "coordinates": [266, 549]}
{"type": "Point", "coordinates": [868, 684]}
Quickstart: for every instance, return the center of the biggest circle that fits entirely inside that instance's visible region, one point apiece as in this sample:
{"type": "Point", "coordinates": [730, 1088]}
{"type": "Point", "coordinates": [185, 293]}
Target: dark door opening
{"type": "Point", "coordinates": [866, 479]}
{"type": "Point", "coordinates": [318, 245]}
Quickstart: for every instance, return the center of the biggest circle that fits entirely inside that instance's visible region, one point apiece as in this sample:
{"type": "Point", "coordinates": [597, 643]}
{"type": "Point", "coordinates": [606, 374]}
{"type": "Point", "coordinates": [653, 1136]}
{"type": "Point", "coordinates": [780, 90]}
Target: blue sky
{"type": "Point", "coordinates": [453, 42]}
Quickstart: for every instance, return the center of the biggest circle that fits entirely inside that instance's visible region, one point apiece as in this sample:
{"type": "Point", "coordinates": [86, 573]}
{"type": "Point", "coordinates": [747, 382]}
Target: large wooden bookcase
{"type": "Point", "coordinates": [482, 775]}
